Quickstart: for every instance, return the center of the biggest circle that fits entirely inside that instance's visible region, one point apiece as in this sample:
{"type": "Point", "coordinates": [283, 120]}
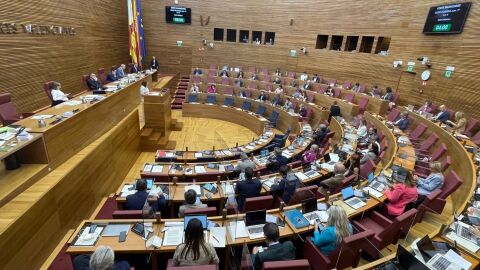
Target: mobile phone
{"type": "Point", "coordinates": [93, 227]}
{"type": "Point", "coordinates": [122, 236]}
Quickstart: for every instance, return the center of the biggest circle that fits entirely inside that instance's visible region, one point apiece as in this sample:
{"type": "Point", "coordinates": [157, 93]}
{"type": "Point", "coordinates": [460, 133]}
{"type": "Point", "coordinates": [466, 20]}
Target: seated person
{"type": "Point", "coordinates": [257, 41]}
{"type": "Point", "coordinates": [276, 160]}
{"type": "Point", "coordinates": [302, 111]}
{"type": "Point", "coordinates": [307, 85]}
{"type": "Point", "coordinates": [277, 72]}
{"type": "Point", "coordinates": [460, 122]}
{"type": "Point", "coordinates": [212, 89]}
{"type": "Point", "coordinates": [254, 77]}
{"type": "Point", "coordinates": [112, 76]}
{"type": "Point", "coordinates": [402, 122]}
{"type": "Point", "coordinates": [137, 200]}
{"type": "Point", "coordinates": [144, 88]}
{"type": "Point", "coordinates": [294, 83]}
{"type": "Point", "coordinates": [312, 154]}
{"type": "Point", "coordinates": [329, 91]}
{"type": "Point", "coordinates": [315, 79]}
{"type": "Point", "coordinates": [286, 186]}
{"type": "Point", "coordinates": [373, 152]}
{"type": "Point", "coordinates": [102, 258]}
{"type": "Point", "coordinates": [362, 131]}
{"type": "Point", "coordinates": [388, 95]}
{"type": "Point", "coordinates": [239, 82]}
{"type": "Point", "coordinates": [338, 227]}
{"type": "Point", "coordinates": [224, 73]}
{"type": "Point", "coordinates": [197, 71]}
{"type": "Point", "coordinates": [279, 90]}
{"type": "Point", "coordinates": [304, 76]}
{"type": "Point", "coordinates": [135, 68]}
{"type": "Point", "coordinates": [298, 94]}
{"type": "Point", "coordinates": [320, 134]}
{"type": "Point", "coordinates": [244, 163]}
{"type": "Point", "coordinates": [376, 92]}
{"type": "Point", "coordinates": [356, 87]}
{"type": "Point", "coordinates": [372, 135]}
{"type": "Point", "coordinates": [334, 111]}
{"type": "Point", "coordinates": [245, 39]}
{"type": "Point", "coordinates": [248, 188]}
{"type": "Point", "coordinates": [194, 89]}
{"type": "Point", "coordinates": [443, 115]}
{"type": "Point", "coordinates": [190, 202]}
{"type": "Point", "coordinates": [332, 183]}
{"type": "Point", "coordinates": [426, 108]}
{"type": "Point", "coordinates": [57, 95]}
{"type": "Point", "coordinates": [240, 75]}
{"type": "Point", "coordinates": [287, 106]}
{"type": "Point", "coordinates": [352, 165]}
{"type": "Point", "coordinates": [243, 93]}
{"type": "Point", "coordinates": [195, 250]}
{"type": "Point", "coordinates": [277, 80]}
{"type": "Point", "coordinates": [399, 195]}
{"type": "Point", "coordinates": [262, 97]}
{"type": "Point", "coordinates": [275, 251]}
{"type": "Point", "coordinates": [120, 71]}
{"type": "Point", "coordinates": [93, 83]}
{"type": "Point", "coordinates": [434, 180]}
{"type": "Point", "coordinates": [276, 99]}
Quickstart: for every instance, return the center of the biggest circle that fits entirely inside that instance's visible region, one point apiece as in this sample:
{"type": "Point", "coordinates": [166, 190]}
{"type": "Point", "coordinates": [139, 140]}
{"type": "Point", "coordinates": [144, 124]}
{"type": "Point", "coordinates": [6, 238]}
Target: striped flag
{"type": "Point", "coordinates": [136, 42]}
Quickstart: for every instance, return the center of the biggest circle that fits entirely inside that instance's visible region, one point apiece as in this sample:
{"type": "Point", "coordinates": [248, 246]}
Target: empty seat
{"type": "Point", "coordinates": [349, 97]}
{"type": "Point", "coordinates": [393, 115]}
{"type": "Point", "coordinates": [367, 168]}
{"type": "Point", "coordinates": [362, 104]}
{"type": "Point", "coordinates": [471, 127]}
{"type": "Point", "coordinates": [8, 112]}
{"type": "Point", "coordinates": [287, 265]}
{"type": "Point", "coordinates": [417, 132]}
{"type": "Point", "coordinates": [261, 110]}
{"type": "Point", "coordinates": [192, 98]}
{"type": "Point", "coordinates": [346, 85]}
{"type": "Point", "coordinates": [228, 91]}
{"type": "Point", "coordinates": [452, 182]}
{"type": "Point", "coordinates": [246, 106]}
{"type": "Point", "coordinates": [211, 99]}
{"type": "Point", "coordinates": [228, 101]}
{"type": "Point", "coordinates": [102, 76]}
{"type": "Point", "coordinates": [258, 203]}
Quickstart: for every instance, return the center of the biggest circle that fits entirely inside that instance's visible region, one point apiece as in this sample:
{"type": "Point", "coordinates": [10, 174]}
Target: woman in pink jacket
{"type": "Point", "coordinates": [400, 195]}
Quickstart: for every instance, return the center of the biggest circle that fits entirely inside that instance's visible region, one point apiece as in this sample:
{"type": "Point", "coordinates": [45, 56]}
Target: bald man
{"type": "Point", "coordinates": [335, 181]}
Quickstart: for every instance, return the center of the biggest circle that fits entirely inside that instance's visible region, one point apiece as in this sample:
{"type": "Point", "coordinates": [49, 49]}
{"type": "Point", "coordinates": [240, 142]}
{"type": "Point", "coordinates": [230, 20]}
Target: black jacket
{"type": "Point", "coordinates": [247, 189]}
{"type": "Point", "coordinates": [279, 252]}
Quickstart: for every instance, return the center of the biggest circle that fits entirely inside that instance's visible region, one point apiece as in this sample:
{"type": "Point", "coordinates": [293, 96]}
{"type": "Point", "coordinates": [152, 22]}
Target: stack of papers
{"type": "Point", "coordinates": [373, 192]}
{"type": "Point", "coordinates": [72, 102]}
{"type": "Point", "coordinates": [194, 187]}
{"type": "Point", "coordinates": [301, 176]}
{"type": "Point", "coordinates": [88, 239]}
{"type": "Point", "coordinates": [173, 236]}
{"type": "Point", "coordinates": [200, 169]}
{"type": "Point", "coordinates": [127, 190]}
{"type": "Point", "coordinates": [157, 168]}
{"type": "Point", "coordinates": [287, 153]}
{"type": "Point", "coordinates": [147, 167]}
{"type": "Point", "coordinates": [237, 229]}
{"type": "Point", "coordinates": [218, 236]}
{"type": "Point", "coordinates": [198, 155]}
{"type": "Point", "coordinates": [228, 189]}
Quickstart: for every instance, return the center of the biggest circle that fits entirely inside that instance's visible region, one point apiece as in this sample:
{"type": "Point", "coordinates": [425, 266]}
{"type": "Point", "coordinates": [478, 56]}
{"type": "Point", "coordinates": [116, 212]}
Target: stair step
{"type": "Point", "coordinates": [146, 132]}
{"type": "Point", "coordinates": [163, 140]}
{"type": "Point", "coordinates": [155, 136]}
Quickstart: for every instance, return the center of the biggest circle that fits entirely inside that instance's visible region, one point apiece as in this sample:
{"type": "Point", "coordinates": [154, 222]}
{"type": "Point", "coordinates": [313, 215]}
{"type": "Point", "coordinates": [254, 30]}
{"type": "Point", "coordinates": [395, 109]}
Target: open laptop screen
{"type": "Point", "coordinates": [255, 217]}
{"type": "Point", "coordinates": [309, 205]}
{"type": "Point", "coordinates": [202, 218]}
{"type": "Point", "coordinates": [347, 193]}
{"type": "Point", "coordinates": [371, 176]}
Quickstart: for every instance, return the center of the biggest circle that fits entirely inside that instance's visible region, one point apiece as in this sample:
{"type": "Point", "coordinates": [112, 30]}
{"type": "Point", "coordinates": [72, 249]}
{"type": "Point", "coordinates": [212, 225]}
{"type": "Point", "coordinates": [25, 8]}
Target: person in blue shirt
{"type": "Point", "coordinates": [286, 186]}
{"type": "Point", "coordinates": [402, 121]}
{"type": "Point", "coordinates": [338, 227]}
{"type": "Point", "coordinates": [443, 115]}
{"type": "Point", "coordinates": [121, 71]}
{"type": "Point", "coordinates": [112, 76]}
{"type": "Point", "coordinates": [435, 180]}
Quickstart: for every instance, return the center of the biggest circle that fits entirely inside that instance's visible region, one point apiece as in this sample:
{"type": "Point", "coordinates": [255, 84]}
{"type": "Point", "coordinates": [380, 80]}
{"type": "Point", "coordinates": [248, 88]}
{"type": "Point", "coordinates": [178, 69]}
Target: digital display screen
{"type": "Point", "coordinates": [446, 19]}
{"type": "Point", "coordinates": [178, 15]}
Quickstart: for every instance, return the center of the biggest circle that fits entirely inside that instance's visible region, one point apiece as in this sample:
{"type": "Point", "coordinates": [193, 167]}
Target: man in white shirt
{"type": "Point", "coordinates": [304, 76]}
{"type": "Point", "coordinates": [279, 90]}
{"type": "Point", "coordinates": [121, 71]}
{"type": "Point", "coordinates": [57, 95]}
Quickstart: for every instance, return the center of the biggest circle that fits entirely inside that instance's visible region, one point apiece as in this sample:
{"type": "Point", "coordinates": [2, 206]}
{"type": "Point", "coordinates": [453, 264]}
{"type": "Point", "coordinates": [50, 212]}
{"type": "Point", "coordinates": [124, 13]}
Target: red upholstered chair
{"type": "Point", "coordinates": [362, 88]}
{"type": "Point", "coordinates": [349, 97]}
{"type": "Point", "coordinates": [197, 79]}
{"type": "Point", "coordinates": [346, 85]}
{"type": "Point", "coordinates": [310, 96]}
{"type": "Point", "coordinates": [47, 87]}
{"type": "Point", "coordinates": [212, 66]}
{"type": "Point", "coordinates": [394, 113]}
{"type": "Point", "coordinates": [417, 132]}
{"type": "Point", "coordinates": [287, 265]}
{"type": "Point", "coordinates": [386, 231]}
{"type": "Point", "coordinates": [422, 167]}
{"type": "Point", "coordinates": [267, 78]}
{"type": "Point", "coordinates": [127, 214]}
{"type": "Point", "coordinates": [252, 70]}
{"type": "Point", "coordinates": [252, 85]}
{"type": "Point", "coordinates": [395, 98]}
{"type": "Point", "coordinates": [210, 80]}
{"type": "Point", "coordinates": [228, 90]}
{"type": "Point", "coordinates": [336, 92]}
{"type": "Point", "coordinates": [209, 211]}
{"type": "Point", "coordinates": [226, 81]}
{"type": "Point", "coordinates": [345, 183]}
{"type": "Point", "coordinates": [268, 87]}
{"type": "Point", "coordinates": [291, 74]}
{"type": "Point", "coordinates": [84, 80]}
{"type": "Point", "coordinates": [332, 81]}
{"type": "Point", "coordinates": [471, 128]}
{"type": "Point", "coordinates": [258, 203]}
{"type": "Point", "coordinates": [476, 138]}
{"type": "Point", "coordinates": [424, 148]}
{"type": "Point", "coordinates": [362, 104]}
{"type": "Point", "coordinates": [348, 255]}
{"type": "Point", "coordinates": [102, 76]}
{"type": "Point", "coordinates": [8, 112]}
{"type": "Point", "coordinates": [212, 73]}
{"type": "Point", "coordinates": [129, 67]}
{"type": "Point", "coordinates": [113, 68]}
{"type": "Point", "coordinates": [426, 204]}
{"type": "Point", "coordinates": [425, 171]}
{"type": "Point", "coordinates": [381, 135]}
{"type": "Point", "coordinates": [264, 71]}
{"type": "Point", "coordinates": [452, 182]}
{"type": "Point", "coordinates": [367, 168]}
{"type": "Point", "coordinates": [196, 267]}
{"type": "Point", "coordinates": [307, 116]}
{"type": "Point", "coordinates": [302, 194]}
{"type": "Point", "coordinates": [322, 89]}
{"type": "Point", "coordinates": [207, 176]}
{"type": "Point", "coordinates": [452, 114]}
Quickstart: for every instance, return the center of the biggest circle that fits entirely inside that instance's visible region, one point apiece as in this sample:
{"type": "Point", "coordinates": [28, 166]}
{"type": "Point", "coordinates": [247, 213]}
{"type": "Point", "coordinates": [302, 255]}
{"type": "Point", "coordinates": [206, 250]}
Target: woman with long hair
{"type": "Point", "coordinates": [399, 195]}
{"type": "Point", "coordinates": [195, 251]}
{"type": "Point", "coordinates": [338, 227]}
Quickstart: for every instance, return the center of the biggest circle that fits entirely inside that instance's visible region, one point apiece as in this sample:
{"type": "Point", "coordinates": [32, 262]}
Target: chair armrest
{"type": "Point", "coordinates": [27, 114]}
{"type": "Point", "coordinates": [10, 121]}
{"type": "Point", "coordinates": [380, 219]}
{"type": "Point", "coordinates": [359, 226]}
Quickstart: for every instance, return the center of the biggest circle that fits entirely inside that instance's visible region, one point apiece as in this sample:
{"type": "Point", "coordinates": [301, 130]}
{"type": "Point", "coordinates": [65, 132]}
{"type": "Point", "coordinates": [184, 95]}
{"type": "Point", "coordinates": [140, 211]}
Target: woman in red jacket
{"type": "Point", "coordinates": [399, 195]}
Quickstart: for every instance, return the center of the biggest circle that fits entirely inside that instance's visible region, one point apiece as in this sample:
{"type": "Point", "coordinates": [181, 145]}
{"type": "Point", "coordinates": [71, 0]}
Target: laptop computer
{"type": "Point", "coordinates": [407, 261]}
{"type": "Point", "coordinates": [254, 221]}
{"type": "Point", "coordinates": [328, 160]}
{"type": "Point", "coordinates": [429, 249]}
{"type": "Point", "coordinates": [463, 230]}
{"type": "Point", "coordinates": [202, 218]}
{"type": "Point", "coordinates": [439, 262]}
{"type": "Point", "coordinates": [348, 196]}
{"type": "Point", "coordinates": [311, 212]}
{"type": "Point", "coordinates": [372, 183]}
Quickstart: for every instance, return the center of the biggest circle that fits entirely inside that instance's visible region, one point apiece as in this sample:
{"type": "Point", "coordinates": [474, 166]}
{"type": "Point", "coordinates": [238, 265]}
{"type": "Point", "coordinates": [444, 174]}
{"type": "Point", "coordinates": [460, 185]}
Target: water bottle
{"type": "Point", "coordinates": [41, 123]}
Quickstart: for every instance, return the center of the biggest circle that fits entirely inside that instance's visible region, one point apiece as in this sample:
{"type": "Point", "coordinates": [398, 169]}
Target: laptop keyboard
{"type": "Point", "coordinates": [441, 264]}
{"type": "Point", "coordinates": [465, 233]}
{"type": "Point", "coordinates": [312, 216]}
{"type": "Point", "coordinates": [310, 173]}
{"type": "Point", "coordinates": [255, 230]}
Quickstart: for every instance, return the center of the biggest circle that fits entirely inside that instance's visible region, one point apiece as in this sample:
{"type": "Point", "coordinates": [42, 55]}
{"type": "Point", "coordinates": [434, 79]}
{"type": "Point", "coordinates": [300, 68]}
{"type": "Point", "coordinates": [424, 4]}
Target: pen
{"type": "Point", "coordinates": [218, 241]}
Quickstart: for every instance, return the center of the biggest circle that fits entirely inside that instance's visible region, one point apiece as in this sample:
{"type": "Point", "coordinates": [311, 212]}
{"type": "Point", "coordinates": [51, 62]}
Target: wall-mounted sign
{"type": "Point", "coordinates": [448, 72]}
{"type": "Point", "coordinates": [36, 29]}
{"type": "Point", "coordinates": [180, 43]}
{"type": "Point", "coordinates": [410, 66]}
{"type": "Point", "coordinates": [293, 53]}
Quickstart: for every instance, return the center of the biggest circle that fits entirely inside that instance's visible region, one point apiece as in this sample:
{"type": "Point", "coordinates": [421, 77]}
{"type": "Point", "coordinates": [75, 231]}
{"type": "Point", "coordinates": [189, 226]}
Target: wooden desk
{"type": "Point", "coordinates": [66, 138]}
{"type": "Point", "coordinates": [375, 105]}
{"type": "Point", "coordinates": [157, 111]}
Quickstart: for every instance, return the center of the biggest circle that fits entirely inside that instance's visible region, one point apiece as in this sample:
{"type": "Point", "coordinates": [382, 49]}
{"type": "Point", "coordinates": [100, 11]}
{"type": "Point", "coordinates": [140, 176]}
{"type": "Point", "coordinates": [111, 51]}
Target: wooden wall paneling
{"type": "Point", "coordinates": [402, 21]}
{"type": "Point", "coordinates": [27, 61]}
{"type": "Point", "coordinates": [32, 223]}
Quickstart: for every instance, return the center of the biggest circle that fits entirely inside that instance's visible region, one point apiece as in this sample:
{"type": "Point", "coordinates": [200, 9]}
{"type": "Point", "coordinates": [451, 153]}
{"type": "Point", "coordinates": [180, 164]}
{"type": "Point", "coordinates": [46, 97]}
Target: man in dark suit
{"type": "Point", "coordinates": [443, 115]}
{"type": "Point", "coordinates": [154, 63]}
{"type": "Point", "coordinates": [93, 83]}
{"type": "Point", "coordinates": [334, 111]}
{"type": "Point", "coordinates": [402, 121]}
{"type": "Point", "coordinates": [320, 134]}
{"type": "Point", "coordinates": [137, 200]}
{"type": "Point", "coordinates": [333, 182]}
{"type": "Point", "coordinates": [248, 188]}
{"type": "Point", "coordinates": [275, 251]}
{"type": "Point", "coordinates": [286, 186]}
{"type": "Point", "coordinates": [277, 160]}
{"type": "Point", "coordinates": [135, 68]}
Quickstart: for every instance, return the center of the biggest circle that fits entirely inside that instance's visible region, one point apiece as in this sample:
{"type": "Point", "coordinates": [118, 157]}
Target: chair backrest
{"type": "Point", "coordinates": [247, 105]}
{"type": "Point", "coordinates": [228, 90]}
{"type": "Point", "coordinates": [127, 214]}
{"type": "Point", "coordinates": [193, 267]}
{"type": "Point", "coordinates": [471, 127]}
{"type": "Point", "coordinates": [439, 152]}
{"type": "Point", "coordinates": [476, 138]}
{"type": "Point", "coordinates": [267, 78]}
{"type": "Point", "coordinates": [192, 98]}
{"type": "Point", "coordinates": [211, 99]}
{"type": "Point", "coordinates": [209, 211]}
{"type": "Point", "coordinates": [225, 81]}
{"type": "Point", "coordinates": [446, 162]}
{"type": "Point", "coordinates": [212, 66]}
{"type": "Point", "coordinates": [197, 79]}
{"type": "Point", "coordinates": [287, 265]}
{"type": "Point", "coordinates": [418, 132]}
{"type": "Point", "coordinates": [310, 96]}
{"type": "Point", "coordinates": [391, 233]}
{"type": "Point", "coordinates": [350, 251]}
{"type": "Point", "coordinates": [362, 88]}
{"type": "Point", "coordinates": [452, 182]}
{"type": "Point", "coordinates": [84, 80]}
{"type": "Point", "coordinates": [268, 87]}
{"type": "Point", "coordinates": [252, 70]}
{"type": "Point", "coordinates": [291, 74]}
{"type": "Point", "coordinates": [212, 73]}
{"type": "Point", "coordinates": [431, 140]}
{"type": "Point", "coordinates": [264, 70]}
{"type": "Point", "coordinates": [367, 168]}
{"type": "Point", "coordinates": [381, 135]}
{"type": "Point", "coordinates": [228, 101]}
{"type": "Point", "coordinates": [395, 98]}
{"type": "Point", "coordinates": [322, 89]}
{"type": "Point", "coordinates": [349, 97]}
{"type": "Point", "coordinates": [47, 87]}
{"type": "Point", "coordinates": [7, 109]}
{"type": "Point", "coordinates": [426, 204]}
{"type": "Point", "coordinates": [253, 85]}
{"type": "Point", "coordinates": [210, 80]}
{"type": "Point", "coordinates": [362, 103]}
{"type": "Point", "coordinates": [273, 116]}
{"type": "Point", "coordinates": [102, 76]}
{"type": "Point", "coordinates": [303, 193]}
{"type": "Point", "coordinates": [394, 113]}
{"type": "Point", "coordinates": [258, 203]}
{"type": "Point", "coordinates": [347, 85]}
{"type": "Point", "coordinates": [336, 92]}
{"type": "Point", "coordinates": [452, 114]}
{"type": "Point", "coordinates": [331, 81]}
{"type": "Point", "coordinates": [260, 110]}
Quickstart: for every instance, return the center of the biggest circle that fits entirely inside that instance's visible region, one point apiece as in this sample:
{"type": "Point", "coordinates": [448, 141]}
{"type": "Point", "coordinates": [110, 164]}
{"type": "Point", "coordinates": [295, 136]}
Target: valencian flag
{"type": "Point", "coordinates": [136, 41]}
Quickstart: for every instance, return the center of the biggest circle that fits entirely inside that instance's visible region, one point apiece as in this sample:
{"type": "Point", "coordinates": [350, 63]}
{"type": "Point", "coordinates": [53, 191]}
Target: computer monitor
{"type": "Point", "coordinates": [309, 205]}
{"type": "Point", "coordinates": [326, 157]}
{"type": "Point", "coordinates": [407, 260]}
{"type": "Point", "coordinates": [371, 176]}
{"type": "Point", "coordinates": [202, 218]}
{"type": "Point", "coordinates": [149, 182]}
{"type": "Point", "coordinates": [255, 217]}
{"type": "Point", "coordinates": [347, 193]}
